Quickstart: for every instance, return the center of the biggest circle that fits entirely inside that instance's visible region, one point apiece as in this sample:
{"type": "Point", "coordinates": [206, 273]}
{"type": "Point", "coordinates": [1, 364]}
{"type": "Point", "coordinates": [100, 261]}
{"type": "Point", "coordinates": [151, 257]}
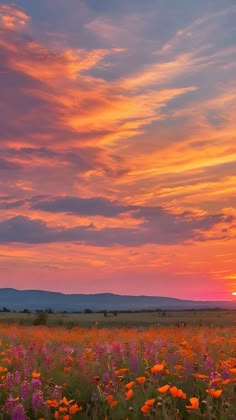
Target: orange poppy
{"type": "Point", "coordinates": [150, 402]}
{"type": "Point", "coordinates": [182, 394]}
{"type": "Point", "coordinates": [36, 375]}
{"type": "Point", "coordinates": [6, 360]}
{"type": "Point", "coordinates": [225, 382]}
{"type": "Point", "coordinates": [141, 380]}
{"type": "Point", "coordinates": [113, 403]}
{"type": "Point", "coordinates": [194, 404]}
{"type": "Point", "coordinates": [75, 408]}
{"type": "Point", "coordinates": [52, 403]}
{"type": "Point", "coordinates": [163, 389]}
{"type": "Point", "coordinates": [109, 398]}
{"type": "Point", "coordinates": [129, 385]}
{"type": "Point", "coordinates": [63, 409]}
{"type": "Point", "coordinates": [216, 393]}
{"type": "Point", "coordinates": [175, 392]}
{"type": "Point", "coordinates": [216, 380]}
{"type": "Point", "coordinates": [158, 367]}
{"type": "Point", "coordinates": [179, 367]}
{"type": "Point", "coordinates": [122, 370]}
{"type": "Point", "coordinates": [200, 376]}
{"type": "Point", "coordinates": [129, 394]}
{"type": "Point", "coordinates": [65, 401]}
{"type": "Point", "coordinates": [145, 408]}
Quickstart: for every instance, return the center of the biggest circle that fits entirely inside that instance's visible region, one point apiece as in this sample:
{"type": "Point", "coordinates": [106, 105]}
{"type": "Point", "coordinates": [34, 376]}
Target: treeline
{"type": "Point", "coordinates": [26, 311]}
{"type": "Point", "coordinates": [114, 312]}
{"type": "Point", "coordinates": [86, 311]}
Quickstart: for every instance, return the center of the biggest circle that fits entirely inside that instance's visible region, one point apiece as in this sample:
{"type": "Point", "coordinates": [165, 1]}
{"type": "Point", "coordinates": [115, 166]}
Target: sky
{"type": "Point", "coordinates": [118, 147]}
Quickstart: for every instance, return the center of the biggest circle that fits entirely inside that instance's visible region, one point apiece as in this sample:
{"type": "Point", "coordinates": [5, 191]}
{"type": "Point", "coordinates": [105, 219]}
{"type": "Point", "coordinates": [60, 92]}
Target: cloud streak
{"type": "Point", "coordinates": [156, 226]}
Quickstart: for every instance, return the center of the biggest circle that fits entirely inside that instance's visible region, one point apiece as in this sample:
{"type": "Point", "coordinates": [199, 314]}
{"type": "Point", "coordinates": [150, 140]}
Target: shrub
{"type": "Point", "coordinates": [41, 318]}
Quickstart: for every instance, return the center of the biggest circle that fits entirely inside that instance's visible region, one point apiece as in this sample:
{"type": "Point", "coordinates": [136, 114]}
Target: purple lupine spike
{"type": "Point", "coordinates": [32, 347]}
{"type": "Point", "coordinates": [10, 381]}
{"type": "Point", "coordinates": [18, 413]}
{"type": "Point", "coordinates": [106, 378]}
{"type": "Point", "coordinates": [17, 351]}
{"type": "Point", "coordinates": [25, 390]}
{"type": "Point", "coordinates": [37, 400]}
{"type": "Point", "coordinates": [134, 363]}
{"type": "Point", "coordinates": [36, 383]}
{"type": "Point", "coordinates": [10, 403]}
{"type": "Point", "coordinates": [48, 359]}
{"type": "Point", "coordinates": [208, 363]}
{"type": "Point", "coordinates": [17, 378]}
{"type": "Point", "coordinates": [27, 371]}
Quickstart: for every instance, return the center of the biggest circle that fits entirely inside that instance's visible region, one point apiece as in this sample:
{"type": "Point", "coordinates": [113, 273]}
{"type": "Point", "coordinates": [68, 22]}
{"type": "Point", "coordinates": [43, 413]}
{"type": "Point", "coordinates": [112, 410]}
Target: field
{"type": "Point", "coordinates": [216, 318]}
{"type": "Point", "coordinates": [93, 367]}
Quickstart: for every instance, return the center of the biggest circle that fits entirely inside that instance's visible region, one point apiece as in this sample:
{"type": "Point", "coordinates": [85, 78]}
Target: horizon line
{"type": "Point", "coordinates": [114, 294]}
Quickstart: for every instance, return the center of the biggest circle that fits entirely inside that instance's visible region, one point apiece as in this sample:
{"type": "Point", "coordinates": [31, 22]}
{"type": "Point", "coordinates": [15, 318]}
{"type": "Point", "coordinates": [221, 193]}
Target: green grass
{"type": "Point", "coordinates": [143, 319]}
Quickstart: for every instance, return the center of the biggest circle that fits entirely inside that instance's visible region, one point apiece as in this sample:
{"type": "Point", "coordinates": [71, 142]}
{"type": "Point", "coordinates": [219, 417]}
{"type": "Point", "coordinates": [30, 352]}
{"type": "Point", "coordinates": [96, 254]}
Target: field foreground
{"type": "Point", "coordinates": [90, 373]}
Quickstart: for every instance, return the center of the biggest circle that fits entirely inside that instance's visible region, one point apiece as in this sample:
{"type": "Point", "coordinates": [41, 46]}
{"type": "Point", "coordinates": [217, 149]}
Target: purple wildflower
{"type": "Point", "coordinates": [17, 378]}
{"type": "Point", "coordinates": [37, 400]}
{"type": "Point", "coordinates": [32, 347]}
{"type": "Point", "coordinates": [27, 371]}
{"type": "Point", "coordinates": [36, 383]}
{"type": "Point", "coordinates": [10, 381]}
{"type": "Point", "coordinates": [106, 378]}
{"type": "Point", "coordinates": [18, 413]}
{"type": "Point", "coordinates": [25, 390]}
{"type": "Point", "coordinates": [10, 403]}
{"type": "Point", "coordinates": [134, 363]}
{"type": "Point", "coordinates": [208, 363]}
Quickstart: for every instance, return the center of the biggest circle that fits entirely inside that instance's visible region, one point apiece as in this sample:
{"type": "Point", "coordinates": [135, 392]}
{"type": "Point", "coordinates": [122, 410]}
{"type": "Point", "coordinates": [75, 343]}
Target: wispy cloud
{"type": "Point", "coordinates": [12, 17]}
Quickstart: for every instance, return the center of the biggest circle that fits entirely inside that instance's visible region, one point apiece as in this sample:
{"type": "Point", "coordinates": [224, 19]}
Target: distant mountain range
{"type": "Point", "coordinates": [39, 299]}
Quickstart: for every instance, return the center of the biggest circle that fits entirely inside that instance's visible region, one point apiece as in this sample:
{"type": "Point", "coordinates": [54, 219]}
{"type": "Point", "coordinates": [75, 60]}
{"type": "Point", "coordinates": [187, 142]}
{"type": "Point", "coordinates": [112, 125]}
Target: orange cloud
{"type": "Point", "coordinates": [12, 17]}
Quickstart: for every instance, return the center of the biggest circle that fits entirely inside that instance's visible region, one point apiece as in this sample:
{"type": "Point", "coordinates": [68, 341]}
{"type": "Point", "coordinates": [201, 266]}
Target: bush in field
{"type": "Point", "coordinates": [41, 318]}
{"type": "Point", "coordinates": [88, 311]}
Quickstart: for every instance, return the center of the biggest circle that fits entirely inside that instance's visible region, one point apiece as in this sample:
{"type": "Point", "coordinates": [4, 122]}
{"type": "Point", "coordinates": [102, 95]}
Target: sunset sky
{"type": "Point", "coordinates": [118, 147]}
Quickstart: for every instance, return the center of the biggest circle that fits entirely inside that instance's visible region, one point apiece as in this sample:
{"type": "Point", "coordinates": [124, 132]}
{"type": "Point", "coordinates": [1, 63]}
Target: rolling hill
{"type": "Point", "coordinates": [39, 299]}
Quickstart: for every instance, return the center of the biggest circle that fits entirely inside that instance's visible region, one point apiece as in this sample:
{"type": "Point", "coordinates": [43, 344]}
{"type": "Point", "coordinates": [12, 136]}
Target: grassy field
{"type": "Point", "coordinates": [216, 318]}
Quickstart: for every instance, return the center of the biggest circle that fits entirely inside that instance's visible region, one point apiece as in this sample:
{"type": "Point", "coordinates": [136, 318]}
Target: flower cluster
{"type": "Point", "coordinates": [106, 374]}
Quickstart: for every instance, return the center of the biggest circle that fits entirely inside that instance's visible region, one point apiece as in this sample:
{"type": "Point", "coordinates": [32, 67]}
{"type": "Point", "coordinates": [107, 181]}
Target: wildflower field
{"type": "Point", "coordinates": [117, 373]}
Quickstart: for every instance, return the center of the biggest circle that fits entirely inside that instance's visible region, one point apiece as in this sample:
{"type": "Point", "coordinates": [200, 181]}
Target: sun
{"type": "Point", "coordinates": [234, 293]}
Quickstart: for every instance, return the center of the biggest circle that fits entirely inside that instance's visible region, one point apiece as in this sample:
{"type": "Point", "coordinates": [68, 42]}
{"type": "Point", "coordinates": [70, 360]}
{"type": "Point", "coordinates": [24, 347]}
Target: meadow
{"type": "Point", "coordinates": [105, 370]}
{"type": "Point", "coordinates": [217, 318]}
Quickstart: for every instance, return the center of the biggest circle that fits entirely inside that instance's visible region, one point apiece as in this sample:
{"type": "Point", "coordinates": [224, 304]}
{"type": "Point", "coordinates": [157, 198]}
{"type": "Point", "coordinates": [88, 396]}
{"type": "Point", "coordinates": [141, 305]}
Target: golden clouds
{"type": "Point", "coordinates": [146, 135]}
{"type": "Point", "coordinates": [55, 67]}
